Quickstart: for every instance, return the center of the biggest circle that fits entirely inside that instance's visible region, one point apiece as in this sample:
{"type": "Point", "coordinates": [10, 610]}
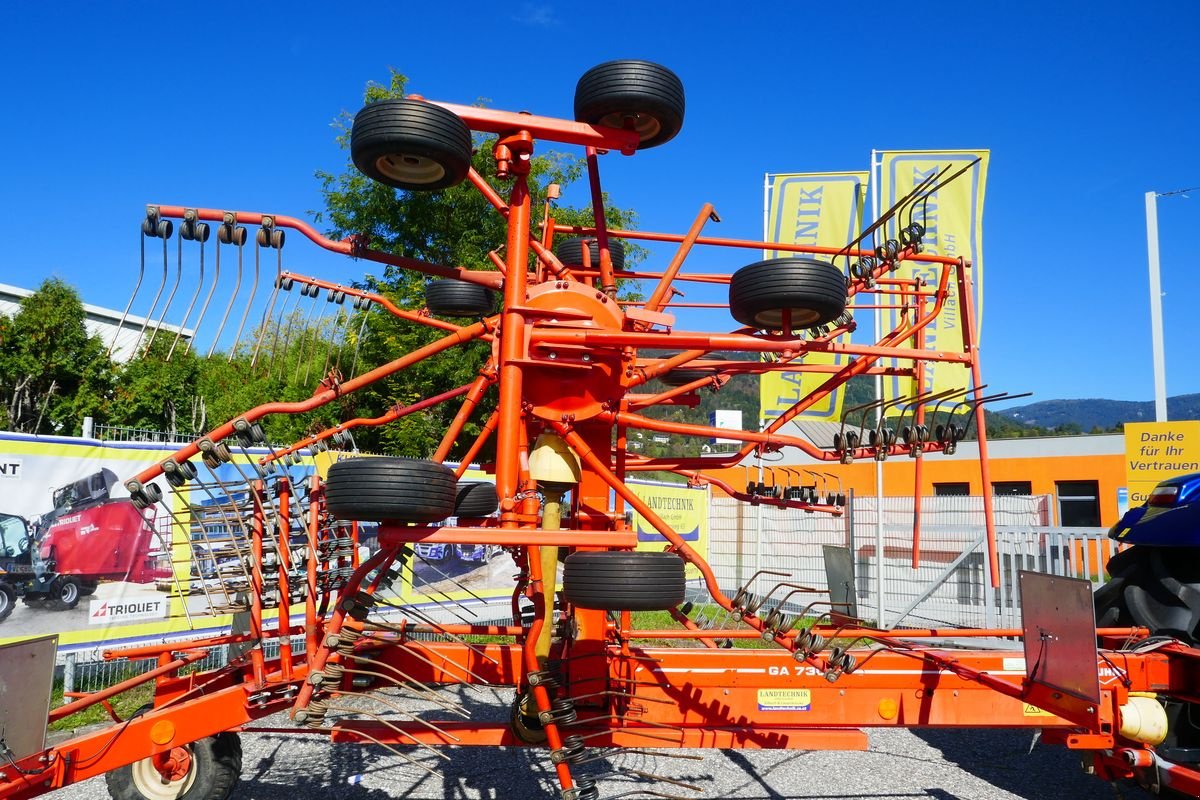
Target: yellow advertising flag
{"type": "Point", "coordinates": [823, 209]}
{"type": "Point", "coordinates": [953, 218]}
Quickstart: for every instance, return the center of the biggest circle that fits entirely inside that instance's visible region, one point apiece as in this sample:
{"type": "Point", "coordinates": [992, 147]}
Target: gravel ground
{"type": "Point", "coordinates": [901, 764]}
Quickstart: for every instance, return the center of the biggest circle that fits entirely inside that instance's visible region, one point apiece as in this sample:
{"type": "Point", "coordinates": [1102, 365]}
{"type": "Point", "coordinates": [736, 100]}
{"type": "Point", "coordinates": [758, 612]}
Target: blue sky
{"type": "Point", "coordinates": [1085, 107]}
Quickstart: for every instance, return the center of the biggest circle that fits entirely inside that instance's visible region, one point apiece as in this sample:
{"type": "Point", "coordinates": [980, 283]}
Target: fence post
{"type": "Point", "coordinates": [989, 593]}
{"type": "Point", "coordinates": [879, 582]}
{"type": "Point", "coordinates": [68, 676]}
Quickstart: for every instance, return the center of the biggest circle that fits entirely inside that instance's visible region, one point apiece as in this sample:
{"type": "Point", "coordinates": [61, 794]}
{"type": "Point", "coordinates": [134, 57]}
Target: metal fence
{"type": "Point", "coordinates": [949, 585]}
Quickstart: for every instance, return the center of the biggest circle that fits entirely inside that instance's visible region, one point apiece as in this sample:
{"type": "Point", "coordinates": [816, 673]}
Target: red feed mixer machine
{"type": "Point", "coordinates": [89, 536]}
{"type": "Point", "coordinates": [569, 367]}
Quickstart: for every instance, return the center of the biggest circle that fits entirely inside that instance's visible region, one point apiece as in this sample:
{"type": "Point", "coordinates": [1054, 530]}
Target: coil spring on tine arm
{"type": "Point", "coordinates": [808, 644]}
{"type": "Point", "coordinates": [777, 623]}
{"type": "Point", "coordinates": [584, 789]}
{"type": "Point", "coordinates": [741, 600]}
{"type": "Point", "coordinates": [545, 678]}
{"type": "Point", "coordinates": [314, 715]}
{"type": "Point", "coordinates": [573, 750]}
{"type": "Point", "coordinates": [562, 712]}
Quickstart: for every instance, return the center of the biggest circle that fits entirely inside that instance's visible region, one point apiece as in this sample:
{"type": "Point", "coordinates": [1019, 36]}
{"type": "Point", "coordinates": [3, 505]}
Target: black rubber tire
{"type": "Point", "coordinates": [88, 588]}
{"type": "Point", "coordinates": [65, 593]}
{"type": "Point", "coordinates": [815, 291]}
{"type": "Point", "coordinates": [1152, 587]}
{"type": "Point", "coordinates": [570, 252]}
{"type": "Point", "coordinates": [8, 599]}
{"type": "Point", "coordinates": [454, 298]}
{"type": "Point", "coordinates": [217, 761]}
{"type": "Point", "coordinates": [624, 581]}
{"type": "Point", "coordinates": [411, 144]}
{"type": "Point", "coordinates": [476, 499]}
{"type": "Point", "coordinates": [402, 489]}
{"type": "Point", "coordinates": [33, 600]}
{"type": "Point", "coordinates": [648, 94]}
{"type": "Point", "coordinates": [678, 377]}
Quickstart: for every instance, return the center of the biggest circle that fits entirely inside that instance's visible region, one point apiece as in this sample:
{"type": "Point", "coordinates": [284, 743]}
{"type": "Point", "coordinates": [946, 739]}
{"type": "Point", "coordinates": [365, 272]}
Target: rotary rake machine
{"type": "Point", "coordinates": [569, 367]}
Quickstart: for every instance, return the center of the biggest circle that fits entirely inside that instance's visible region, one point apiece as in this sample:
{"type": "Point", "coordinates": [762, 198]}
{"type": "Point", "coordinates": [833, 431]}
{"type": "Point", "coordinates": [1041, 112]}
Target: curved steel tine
{"type": "Point", "coordinates": [975, 404]}
{"type": "Point", "coordinates": [237, 338]}
{"type": "Point", "coordinates": [938, 408]}
{"type": "Point", "coordinates": [302, 340]}
{"type": "Point", "coordinates": [154, 304]}
{"type": "Point", "coordinates": [339, 326]}
{"type": "Point", "coordinates": [923, 399]}
{"type": "Point", "coordinates": [322, 324]}
{"type": "Point", "coordinates": [240, 243]}
{"type": "Point", "coordinates": [141, 274]}
{"type": "Point", "coordinates": [754, 607]}
{"type": "Point", "coordinates": [262, 325]}
{"type": "Point", "coordinates": [195, 295]}
{"type": "Point", "coordinates": [174, 289]}
{"type": "Point", "coordinates": [208, 297]}
{"type": "Point", "coordinates": [285, 318]}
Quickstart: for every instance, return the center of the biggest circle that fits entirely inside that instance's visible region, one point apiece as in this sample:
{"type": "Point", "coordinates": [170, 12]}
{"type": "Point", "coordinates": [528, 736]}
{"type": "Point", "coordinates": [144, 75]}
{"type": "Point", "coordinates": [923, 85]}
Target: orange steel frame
{"type": "Point", "coordinates": [563, 326]}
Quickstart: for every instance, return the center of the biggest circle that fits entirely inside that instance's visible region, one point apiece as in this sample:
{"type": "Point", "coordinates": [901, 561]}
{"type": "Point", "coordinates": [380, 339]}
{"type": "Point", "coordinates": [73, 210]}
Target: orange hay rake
{"type": "Point", "coordinates": [569, 366]}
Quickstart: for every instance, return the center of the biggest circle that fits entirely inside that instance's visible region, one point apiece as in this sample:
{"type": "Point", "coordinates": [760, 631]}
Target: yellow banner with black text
{"type": "Point", "coordinates": [822, 209]}
{"type": "Point", "coordinates": [951, 211]}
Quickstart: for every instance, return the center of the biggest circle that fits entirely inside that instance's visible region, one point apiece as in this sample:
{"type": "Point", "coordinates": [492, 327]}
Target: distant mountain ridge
{"type": "Point", "coordinates": [1098, 413]}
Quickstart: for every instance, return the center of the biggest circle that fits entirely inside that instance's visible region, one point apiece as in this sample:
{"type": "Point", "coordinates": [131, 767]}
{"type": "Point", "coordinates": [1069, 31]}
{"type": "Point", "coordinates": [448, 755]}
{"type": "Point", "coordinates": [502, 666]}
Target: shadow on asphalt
{"type": "Point", "coordinates": [1003, 759]}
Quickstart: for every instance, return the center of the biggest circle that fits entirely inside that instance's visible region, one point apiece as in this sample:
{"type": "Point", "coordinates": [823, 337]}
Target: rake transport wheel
{"type": "Point", "coordinates": [64, 594]}
{"type": "Point", "coordinates": [411, 144]}
{"type": "Point", "coordinates": [1153, 587]}
{"type": "Point", "coordinates": [680, 377]}
{"type": "Point", "coordinates": [624, 581]}
{"type": "Point", "coordinates": [204, 770]}
{"type": "Point", "coordinates": [638, 95]}
{"type": "Point", "coordinates": [570, 252]}
{"type": "Point", "coordinates": [8, 599]}
{"type": "Point", "coordinates": [403, 489]}
{"type": "Point", "coordinates": [813, 291]}
{"type": "Point", "coordinates": [476, 499]}
{"type": "Point", "coordinates": [453, 298]}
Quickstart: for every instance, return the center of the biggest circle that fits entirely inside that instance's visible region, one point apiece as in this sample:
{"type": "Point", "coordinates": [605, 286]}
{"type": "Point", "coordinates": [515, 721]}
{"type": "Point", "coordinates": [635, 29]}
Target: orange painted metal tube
{"type": "Point", "coordinates": [348, 247]}
{"type": "Point", "coordinates": [489, 428]}
{"type": "Point", "coordinates": [732, 341]}
{"type": "Point", "coordinates": [257, 662]}
{"type": "Point", "coordinates": [490, 120]}
{"type": "Point", "coordinates": [608, 283]}
{"type": "Point", "coordinates": [104, 694]}
{"type": "Point", "coordinates": [506, 537]}
{"type": "Point", "coordinates": [750, 244]}
{"type": "Point", "coordinates": [966, 300]}
{"type": "Point", "coordinates": [474, 394]}
{"type": "Point", "coordinates": [283, 622]}
{"type": "Point", "coordinates": [322, 398]}
{"type": "Point", "coordinates": [662, 291]}
{"type": "Point", "coordinates": [312, 626]}
{"type": "Point", "coordinates": [378, 299]}
{"type": "Point", "coordinates": [510, 425]}
{"type": "Point", "coordinates": [394, 413]}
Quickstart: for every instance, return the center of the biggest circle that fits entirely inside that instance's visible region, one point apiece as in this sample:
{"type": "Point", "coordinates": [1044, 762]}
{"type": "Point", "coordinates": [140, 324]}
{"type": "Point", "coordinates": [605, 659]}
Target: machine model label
{"type": "Point", "coordinates": [784, 699]}
{"type": "Point", "coordinates": [106, 612]}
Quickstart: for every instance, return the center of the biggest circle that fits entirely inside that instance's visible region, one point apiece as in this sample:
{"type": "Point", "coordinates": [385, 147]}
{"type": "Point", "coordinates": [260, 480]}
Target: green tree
{"type": "Point", "coordinates": [456, 227]}
{"type": "Point", "coordinates": [154, 392]}
{"type": "Point", "coordinates": [52, 373]}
